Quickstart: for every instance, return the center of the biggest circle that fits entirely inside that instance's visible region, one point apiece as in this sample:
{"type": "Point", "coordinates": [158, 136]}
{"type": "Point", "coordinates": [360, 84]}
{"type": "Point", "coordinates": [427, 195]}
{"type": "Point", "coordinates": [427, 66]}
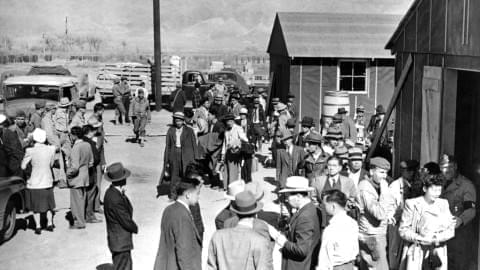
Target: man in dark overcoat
{"type": "Point", "coordinates": [180, 150]}
{"type": "Point", "coordinates": [180, 245]}
{"type": "Point", "coordinates": [118, 215]}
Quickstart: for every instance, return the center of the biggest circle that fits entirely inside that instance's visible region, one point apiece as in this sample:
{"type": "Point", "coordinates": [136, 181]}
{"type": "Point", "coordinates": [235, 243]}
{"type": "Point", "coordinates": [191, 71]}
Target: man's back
{"type": "Point", "coordinates": [239, 248]}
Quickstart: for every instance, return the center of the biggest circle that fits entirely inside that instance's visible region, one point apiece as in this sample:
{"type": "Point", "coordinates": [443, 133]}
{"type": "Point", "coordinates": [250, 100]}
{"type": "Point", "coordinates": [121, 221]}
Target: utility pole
{"type": "Point", "coordinates": [157, 55]}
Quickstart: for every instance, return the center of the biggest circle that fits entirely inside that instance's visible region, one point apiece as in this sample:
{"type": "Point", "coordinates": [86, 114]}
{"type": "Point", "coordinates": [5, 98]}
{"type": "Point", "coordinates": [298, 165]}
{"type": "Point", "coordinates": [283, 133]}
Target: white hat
{"type": "Point", "coordinates": [2, 118]}
{"type": "Point", "coordinates": [39, 135]}
{"type": "Point", "coordinates": [234, 188]}
{"type": "Point", "coordinates": [296, 184]}
{"type": "Point", "coordinates": [243, 111]}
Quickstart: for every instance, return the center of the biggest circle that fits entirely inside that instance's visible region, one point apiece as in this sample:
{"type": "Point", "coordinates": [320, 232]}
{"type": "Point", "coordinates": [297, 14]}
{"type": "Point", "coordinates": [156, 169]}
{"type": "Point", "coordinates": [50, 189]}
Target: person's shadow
{"type": "Point", "coordinates": [105, 266]}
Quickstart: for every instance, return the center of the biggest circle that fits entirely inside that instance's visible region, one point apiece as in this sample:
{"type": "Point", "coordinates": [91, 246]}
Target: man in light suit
{"type": "Point", "coordinates": [81, 159]}
{"type": "Point", "coordinates": [333, 180]}
{"type": "Point", "coordinates": [241, 247]}
{"type": "Point", "coordinates": [180, 242]}
{"type": "Point", "coordinates": [289, 160]}
{"type": "Point", "coordinates": [118, 215]}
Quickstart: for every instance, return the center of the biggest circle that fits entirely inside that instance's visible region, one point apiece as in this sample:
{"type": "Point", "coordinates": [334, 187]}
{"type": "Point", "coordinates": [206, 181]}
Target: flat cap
{"type": "Point", "coordinates": [380, 162]}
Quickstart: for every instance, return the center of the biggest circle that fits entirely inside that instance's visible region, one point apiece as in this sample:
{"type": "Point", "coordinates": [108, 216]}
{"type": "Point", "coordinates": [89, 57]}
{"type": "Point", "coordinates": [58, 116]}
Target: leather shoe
{"type": "Point", "coordinates": [38, 231]}
{"type": "Point", "coordinates": [50, 228]}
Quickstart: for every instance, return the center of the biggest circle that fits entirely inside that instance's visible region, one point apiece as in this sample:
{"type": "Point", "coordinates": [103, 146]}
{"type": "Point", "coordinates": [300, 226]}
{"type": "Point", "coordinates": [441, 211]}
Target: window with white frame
{"type": "Point", "coordinates": [352, 75]}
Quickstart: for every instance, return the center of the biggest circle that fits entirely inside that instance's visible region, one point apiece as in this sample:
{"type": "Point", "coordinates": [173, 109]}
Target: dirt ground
{"type": "Point", "coordinates": [87, 249]}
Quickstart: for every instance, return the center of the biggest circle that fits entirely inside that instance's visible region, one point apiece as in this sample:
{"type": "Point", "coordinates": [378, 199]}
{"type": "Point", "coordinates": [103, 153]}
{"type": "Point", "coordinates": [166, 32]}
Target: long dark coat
{"type": "Point", "coordinates": [180, 243]}
{"type": "Point", "coordinates": [300, 252]}
{"type": "Point", "coordinates": [189, 146]}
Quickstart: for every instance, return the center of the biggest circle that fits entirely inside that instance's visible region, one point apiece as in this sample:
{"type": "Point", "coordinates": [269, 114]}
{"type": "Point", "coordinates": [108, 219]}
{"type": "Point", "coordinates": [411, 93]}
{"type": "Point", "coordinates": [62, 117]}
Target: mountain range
{"type": "Point", "coordinates": [187, 25]}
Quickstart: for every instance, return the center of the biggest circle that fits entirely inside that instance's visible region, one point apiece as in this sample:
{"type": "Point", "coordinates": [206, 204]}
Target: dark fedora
{"type": "Point", "coordinates": [116, 172]}
{"type": "Point", "coordinates": [246, 204]}
{"type": "Point", "coordinates": [341, 110]}
{"type": "Point", "coordinates": [307, 121]}
{"type": "Point", "coordinates": [228, 116]}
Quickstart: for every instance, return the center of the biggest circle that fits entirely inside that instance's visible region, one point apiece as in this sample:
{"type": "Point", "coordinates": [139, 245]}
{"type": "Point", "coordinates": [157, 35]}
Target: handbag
{"type": "Point", "coordinates": [433, 259]}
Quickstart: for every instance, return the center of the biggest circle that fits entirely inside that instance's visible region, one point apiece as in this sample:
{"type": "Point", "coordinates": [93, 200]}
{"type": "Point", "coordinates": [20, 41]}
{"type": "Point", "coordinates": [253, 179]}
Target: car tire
{"type": "Point", "coordinates": [8, 228]}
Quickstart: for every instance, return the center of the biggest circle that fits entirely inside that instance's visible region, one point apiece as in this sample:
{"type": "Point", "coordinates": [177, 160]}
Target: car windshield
{"type": "Point", "coordinates": [32, 91]}
{"type": "Point", "coordinates": [224, 76]}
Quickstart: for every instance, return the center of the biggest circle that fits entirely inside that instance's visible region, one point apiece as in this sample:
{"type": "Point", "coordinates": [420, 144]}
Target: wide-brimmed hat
{"type": "Point", "coordinates": [355, 153]}
{"type": "Point", "coordinates": [342, 110]}
{"type": "Point", "coordinates": [360, 108]}
{"type": "Point", "coordinates": [334, 133]}
{"type": "Point", "coordinates": [2, 118]}
{"type": "Point", "coordinates": [256, 188]}
{"type": "Point", "coordinates": [39, 135]}
{"type": "Point", "coordinates": [286, 134]}
{"type": "Point", "coordinates": [290, 95]}
{"type": "Point", "coordinates": [280, 107]}
{"type": "Point", "coordinates": [40, 104]}
{"type": "Point", "coordinates": [380, 110]}
{"type": "Point", "coordinates": [314, 137]}
{"type": "Point", "coordinates": [291, 123]}
{"type": "Point", "coordinates": [307, 121]}
{"type": "Point", "coordinates": [234, 188]}
{"type": "Point", "coordinates": [296, 184]}
{"type": "Point", "coordinates": [116, 172]}
{"type": "Point", "coordinates": [178, 115]}
{"type": "Point", "coordinates": [341, 152]}
{"type": "Point", "coordinates": [246, 204]}
{"type": "Point", "coordinates": [243, 111]}
{"type": "Point", "coordinates": [64, 102]}
{"type": "Point", "coordinates": [93, 121]}
{"type": "Point", "coordinates": [228, 116]}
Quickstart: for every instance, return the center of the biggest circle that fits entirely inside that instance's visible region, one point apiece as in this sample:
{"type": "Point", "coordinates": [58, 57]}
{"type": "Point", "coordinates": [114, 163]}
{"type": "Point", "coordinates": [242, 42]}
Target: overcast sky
{"type": "Point", "coordinates": [187, 25]}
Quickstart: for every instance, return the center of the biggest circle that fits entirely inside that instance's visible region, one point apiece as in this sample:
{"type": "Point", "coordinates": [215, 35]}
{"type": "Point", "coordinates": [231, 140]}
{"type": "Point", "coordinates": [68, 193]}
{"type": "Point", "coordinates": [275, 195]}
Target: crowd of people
{"type": "Point", "coordinates": [339, 210]}
{"type": "Point", "coordinates": [56, 145]}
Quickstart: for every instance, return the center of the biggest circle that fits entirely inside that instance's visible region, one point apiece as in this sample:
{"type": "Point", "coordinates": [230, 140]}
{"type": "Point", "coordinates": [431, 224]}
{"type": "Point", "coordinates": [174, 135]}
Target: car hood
{"type": "Point", "coordinates": [27, 105]}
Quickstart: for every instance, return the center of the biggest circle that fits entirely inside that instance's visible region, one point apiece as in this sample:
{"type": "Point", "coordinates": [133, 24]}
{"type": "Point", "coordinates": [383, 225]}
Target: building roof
{"type": "Point", "coordinates": [335, 34]}
{"type": "Point", "coordinates": [46, 80]}
{"type": "Point", "coordinates": [401, 25]}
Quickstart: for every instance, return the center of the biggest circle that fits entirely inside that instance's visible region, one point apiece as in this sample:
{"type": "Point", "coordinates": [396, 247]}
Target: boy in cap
{"type": "Point", "coordinates": [118, 217]}
{"type": "Point", "coordinates": [140, 112]}
{"type": "Point", "coordinates": [375, 214]}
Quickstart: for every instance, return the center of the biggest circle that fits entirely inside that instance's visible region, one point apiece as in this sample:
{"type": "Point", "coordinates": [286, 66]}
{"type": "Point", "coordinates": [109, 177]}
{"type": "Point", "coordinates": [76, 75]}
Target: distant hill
{"type": "Point", "coordinates": [187, 25]}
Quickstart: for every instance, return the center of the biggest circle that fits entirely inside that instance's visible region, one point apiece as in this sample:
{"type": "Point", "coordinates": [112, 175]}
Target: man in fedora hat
{"type": "Point", "coordinates": [292, 109]}
{"type": "Point", "coordinates": [92, 190]}
{"type": "Point", "coordinates": [348, 125]}
{"type": "Point", "coordinates": [316, 159]}
{"type": "Point", "coordinates": [180, 244]}
{"type": "Point", "coordinates": [180, 150]}
{"type": "Point", "coordinates": [355, 170]}
{"type": "Point", "coordinates": [376, 119]}
{"type": "Point", "coordinates": [118, 216]}
{"type": "Point", "coordinates": [289, 160]}
{"type": "Point", "coordinates": [259, 123]}
{"type": "Point", "coordinates": [307, 128]}
{"type": "Point", "coordinates": [78, 179]}
{"type": "Point", "coordinates": [36, 117]}
{"type": "Point", "coordinates": [11, 151]}
{"type": "Point", "coordinates": [240, 247]}
{"type": "Point", "coordinates": [300, 246]}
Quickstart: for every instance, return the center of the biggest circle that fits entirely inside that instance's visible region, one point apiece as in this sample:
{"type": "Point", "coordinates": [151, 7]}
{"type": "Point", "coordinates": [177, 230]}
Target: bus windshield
{"type": "Point", "coordinates": [32, 91]}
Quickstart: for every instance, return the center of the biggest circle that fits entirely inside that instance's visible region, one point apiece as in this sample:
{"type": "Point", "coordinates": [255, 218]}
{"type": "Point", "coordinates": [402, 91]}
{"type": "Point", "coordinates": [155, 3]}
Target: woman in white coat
{"type": "Point", "coordinates": [39, 194]}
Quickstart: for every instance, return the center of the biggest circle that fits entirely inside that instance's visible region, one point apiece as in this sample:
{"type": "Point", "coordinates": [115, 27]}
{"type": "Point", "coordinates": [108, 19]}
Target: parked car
{"type": "Point", "coordinates": [188, 83]}
{"type": "Point", "coordinates": [12, 201]}
{"type": "Point", "coordinates": [21, 92]}
{"type": "Point", "coordinates": [232, 80]}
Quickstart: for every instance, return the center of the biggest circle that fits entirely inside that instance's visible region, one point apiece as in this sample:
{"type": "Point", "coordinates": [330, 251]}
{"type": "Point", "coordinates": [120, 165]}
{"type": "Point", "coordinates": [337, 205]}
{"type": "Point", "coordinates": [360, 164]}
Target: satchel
{"type": "Point", "coordinates": [433, 259]}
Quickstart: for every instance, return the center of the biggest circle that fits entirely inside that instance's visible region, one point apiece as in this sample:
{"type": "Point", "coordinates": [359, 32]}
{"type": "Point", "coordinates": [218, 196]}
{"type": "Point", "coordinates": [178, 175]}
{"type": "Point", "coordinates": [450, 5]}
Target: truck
{"type": "Point", "coordinates": [188, 82]}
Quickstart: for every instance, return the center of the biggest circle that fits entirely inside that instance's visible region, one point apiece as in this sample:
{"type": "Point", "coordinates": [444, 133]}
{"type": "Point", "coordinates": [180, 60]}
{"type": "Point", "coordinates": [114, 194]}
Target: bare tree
{"type": "Point", "coordinates": [50, 42]}
{"type": "Point", "coordinates": [94, 43]}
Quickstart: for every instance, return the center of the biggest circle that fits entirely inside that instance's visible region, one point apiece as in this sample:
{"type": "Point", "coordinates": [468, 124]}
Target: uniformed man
{"type": "Point", "coordinates": [461, 196]}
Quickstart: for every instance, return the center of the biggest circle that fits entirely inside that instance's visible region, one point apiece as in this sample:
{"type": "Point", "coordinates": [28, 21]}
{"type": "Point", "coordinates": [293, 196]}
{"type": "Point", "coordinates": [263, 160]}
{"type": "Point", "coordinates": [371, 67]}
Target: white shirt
{"type": "Point", "coordinates": [355, 177]}
{"type": "Point", "coordinates": [339, 242]}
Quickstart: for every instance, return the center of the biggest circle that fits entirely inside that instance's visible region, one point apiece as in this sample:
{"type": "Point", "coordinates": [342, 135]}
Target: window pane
{"type": "Point", "coordinates": [359, 68]}
{"type": "Point", "coordinates": [346, 68]}
{"type": "Point", "coordinates": [346, 84]}
{"type": "Point", "coordinates": [359, 84]}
